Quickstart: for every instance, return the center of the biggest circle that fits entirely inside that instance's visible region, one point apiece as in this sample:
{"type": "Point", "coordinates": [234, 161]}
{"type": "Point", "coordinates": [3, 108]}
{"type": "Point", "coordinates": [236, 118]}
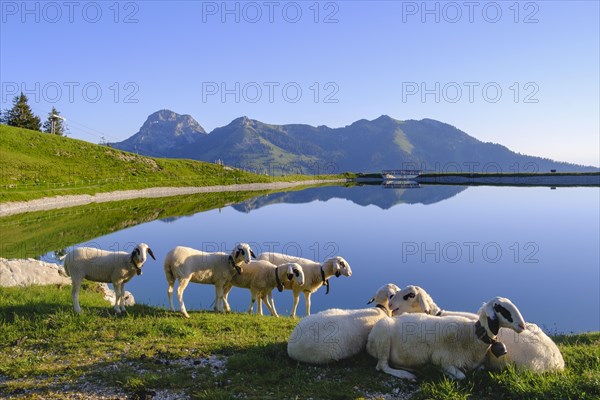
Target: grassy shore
{"type": "Point", "coordinates": [49, 352]}
{"type": "Point", "coordinates": [35, 165]}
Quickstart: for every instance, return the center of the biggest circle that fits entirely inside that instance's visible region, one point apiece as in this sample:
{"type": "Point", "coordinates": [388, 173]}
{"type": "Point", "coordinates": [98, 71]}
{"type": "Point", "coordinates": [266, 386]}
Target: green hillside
{"type": "Point", "coordinates": [35, 165]}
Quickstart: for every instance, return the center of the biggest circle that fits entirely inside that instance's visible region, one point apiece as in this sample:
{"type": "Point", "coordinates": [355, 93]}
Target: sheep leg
{"type": "Point", "coordinates": [220, 303]}
{"type": "Point", "coordinates": [170, 294]}
{"type": "Point", "coordinates": [270, 299]}
{"type": "Point", "coordinates": [307, 301]}
{"type": "Point", "coordinates": [454, 372]}
{"type": "Point", "coordinates": [259, 305]}
{"type": "Point", "coordinates": [382, 365]}
{"type": "Point", "coordinates": [270, 306]}
{"type": "Point", "coordinates": [226, 290]}
{"type": "Point", "coordinates": [252, 300]}
{"type": "Point", "coordinates": [75, 286]}
{"type": "Point", "coordinates": [296, 299]}
{"type": "Point", "coordinates": [117, 288]}
{"type": "Point", "coordinates": [122, 301]}
{"type": "Point", "coordinates": [182, 285]}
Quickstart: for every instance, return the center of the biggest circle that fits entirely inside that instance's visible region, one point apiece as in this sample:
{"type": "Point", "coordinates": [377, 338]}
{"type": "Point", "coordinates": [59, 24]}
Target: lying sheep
{"type": "Point", "coordinates": [531, 350]}
{"type": "Point", "coordinates": [261, 277]}
{"type": "Point", "coordinates": [315, 275]}
{"type": "Point", "coordinates": [105, 266]}
{"type": "Point", "coordinates": [335, 334]}
{"type": "Point", "coordinates": [191, 265]}
{"type": "Point", "coordinates": [455, 343]}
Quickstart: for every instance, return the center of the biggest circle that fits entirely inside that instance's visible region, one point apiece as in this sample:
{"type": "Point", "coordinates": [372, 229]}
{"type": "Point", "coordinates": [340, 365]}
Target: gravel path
{"type": "Point", "coordinates": [51, 203]}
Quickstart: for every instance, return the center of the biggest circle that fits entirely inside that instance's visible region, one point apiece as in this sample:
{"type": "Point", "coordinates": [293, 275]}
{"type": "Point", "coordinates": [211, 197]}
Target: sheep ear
{"type": "Point", "coordinates": [252, 254]}
{"type": "Point", "coordinates": [151, 253]}
{"type": "Point", "coordinates": [423, 303]}
{"type": "Point", "coordinates": [372, 300]}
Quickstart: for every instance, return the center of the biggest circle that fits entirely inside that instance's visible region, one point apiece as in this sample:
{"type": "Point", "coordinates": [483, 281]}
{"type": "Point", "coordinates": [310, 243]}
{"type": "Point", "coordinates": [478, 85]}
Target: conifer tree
{"type": "Point", "coordinates": [20, 115]}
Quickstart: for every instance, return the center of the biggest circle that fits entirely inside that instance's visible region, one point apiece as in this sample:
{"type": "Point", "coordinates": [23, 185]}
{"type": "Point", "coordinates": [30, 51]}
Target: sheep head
{"type": "Point", "coordinates": [295, 270]}
{"type": "Point", "coordinates": [384, 294]}
{"type": "Point", "coordinates": [241, 254]}
{"type": "Point", "coordinates": [499, 313]}
{"type": "Point", "coordinates": [138, 256]}
{"type": "Point", "coordinates": [341, 266]}
{"type": "Point", "coordinates": [413, 299]}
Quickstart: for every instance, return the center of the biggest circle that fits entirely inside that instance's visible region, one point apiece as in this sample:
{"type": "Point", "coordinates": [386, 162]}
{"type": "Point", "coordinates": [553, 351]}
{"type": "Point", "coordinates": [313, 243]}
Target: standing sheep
{"type": "Point", "coordinates": [335, 334]}
{"type": "Point", "coordinates": [191, 265]}
{"type": "Point", "coordinates": [105, 266]}
{"type": "Point", "coordinates": [531, 350]}
{"type": "Point", "coordinates": [315, 275]}
{"type": "Point", "coordinates": [454, 343]}
{"type": "Point", "coordinates": [261, 277]}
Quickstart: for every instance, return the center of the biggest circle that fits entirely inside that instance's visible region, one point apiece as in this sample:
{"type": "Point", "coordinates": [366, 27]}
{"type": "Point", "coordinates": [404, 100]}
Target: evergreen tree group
{"type": "Point", "coordinates": [21, 116]}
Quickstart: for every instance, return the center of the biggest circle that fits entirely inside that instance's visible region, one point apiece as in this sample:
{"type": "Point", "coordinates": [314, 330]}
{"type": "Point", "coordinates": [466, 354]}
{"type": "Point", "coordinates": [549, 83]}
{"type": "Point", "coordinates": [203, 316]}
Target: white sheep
{"type": "Point", "coordinates": [315, 275]}
{"type": "Point", "coordinates": [191, 265]}
{"type": "Point", "coordinates": [261, 277]}
{"type": "Point", "coordinates": [335, 334]}
{"type": "Point", "coordinates": [105, 266]}
{"type": "Point", "coordinates": [455, 343]}
{"type": "Point", "coordinates": [531, 350]}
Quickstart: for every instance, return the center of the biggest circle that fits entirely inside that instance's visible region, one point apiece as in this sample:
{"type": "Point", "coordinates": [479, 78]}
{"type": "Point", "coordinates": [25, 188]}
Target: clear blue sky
{"type": "Point", "coordinates": [372, 58]}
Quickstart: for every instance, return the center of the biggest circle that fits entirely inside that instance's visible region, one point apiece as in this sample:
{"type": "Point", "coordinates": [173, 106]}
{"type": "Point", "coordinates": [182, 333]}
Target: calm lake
{"type": "Point", "coordinates": [464, 245]}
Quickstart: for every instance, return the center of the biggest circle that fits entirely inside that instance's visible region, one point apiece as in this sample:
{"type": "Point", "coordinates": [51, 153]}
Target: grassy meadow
{"type": "Point", "coordinates": [50, 352]}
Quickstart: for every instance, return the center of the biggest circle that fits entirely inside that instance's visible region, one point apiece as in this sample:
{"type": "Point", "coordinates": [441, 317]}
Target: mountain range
{"type": "Point", "coordinates": [363, 146]}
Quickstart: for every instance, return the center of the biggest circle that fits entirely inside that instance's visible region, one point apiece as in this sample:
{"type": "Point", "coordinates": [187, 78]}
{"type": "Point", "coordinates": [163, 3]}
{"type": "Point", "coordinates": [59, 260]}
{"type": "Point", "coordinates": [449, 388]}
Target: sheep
{"type": "Point", "coordinates": [532, 350]}
{"type": "Point", "coordinates": [315, 275]}
{"type": "Point", "coordinates": [191, 265]}
{"type": "Point", "coordinates": [335, 334]}
{"type": "Point", "coordinates": [455, 343]}
{"type": "Point", "coordinates": [105, 266]}
{"type": "Point", "coordinates": [261, 277]}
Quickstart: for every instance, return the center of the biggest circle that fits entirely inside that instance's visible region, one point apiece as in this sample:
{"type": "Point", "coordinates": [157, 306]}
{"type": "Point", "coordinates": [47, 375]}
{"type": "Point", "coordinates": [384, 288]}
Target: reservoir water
{"type": "Point", "coordinates": [464, 245]}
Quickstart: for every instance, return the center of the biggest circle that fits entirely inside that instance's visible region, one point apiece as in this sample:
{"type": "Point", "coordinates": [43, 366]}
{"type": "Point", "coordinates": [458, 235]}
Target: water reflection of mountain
{"type": "Point", "coordinates": [379, 196]}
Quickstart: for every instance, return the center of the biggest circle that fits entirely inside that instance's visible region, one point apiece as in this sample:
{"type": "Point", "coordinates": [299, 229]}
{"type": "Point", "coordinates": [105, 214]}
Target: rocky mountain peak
{"type": "Point", "coordinates": [169, 123]}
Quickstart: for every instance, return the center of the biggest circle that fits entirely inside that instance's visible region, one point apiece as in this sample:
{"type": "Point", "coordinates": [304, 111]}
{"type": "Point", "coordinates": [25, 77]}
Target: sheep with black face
{"type": "Point", "coordinates": [190, 265]}
{"type": "Point", "coordinates": [531, 350]}
{"type": "Point", "coordinates": [261, 277]}
{"type": "Point", "coordinates": [105, 266]}
{"type": "Point", "coordinates": [315, 275]}
{"type": "Point", "coordinates": [455, 343]}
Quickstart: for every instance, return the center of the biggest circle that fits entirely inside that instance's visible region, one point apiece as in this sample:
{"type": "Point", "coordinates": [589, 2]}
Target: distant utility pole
{"type": "Point", "coordinates": [54, 118]}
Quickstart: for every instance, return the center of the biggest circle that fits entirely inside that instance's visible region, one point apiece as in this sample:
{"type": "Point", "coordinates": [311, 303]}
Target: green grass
{"type": "Point", "coordinates": [47, 350]}
{"type": "Point", "coordinates": [36, 165]}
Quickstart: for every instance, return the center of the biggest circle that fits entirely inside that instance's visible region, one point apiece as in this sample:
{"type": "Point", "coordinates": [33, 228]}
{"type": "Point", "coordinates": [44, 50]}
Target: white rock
{"type": "Point", "coordinates": [27, 272]}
